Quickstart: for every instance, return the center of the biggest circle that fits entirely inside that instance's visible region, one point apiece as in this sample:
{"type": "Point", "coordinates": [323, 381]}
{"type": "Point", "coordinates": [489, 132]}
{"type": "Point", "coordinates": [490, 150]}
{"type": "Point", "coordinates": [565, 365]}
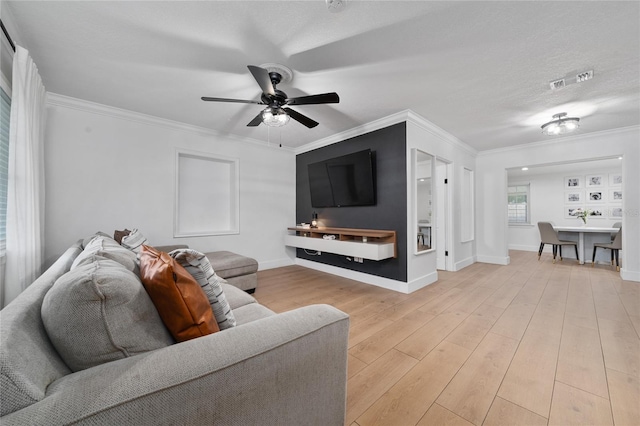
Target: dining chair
{"type": "Point", "coordinates": [614, 246]}
{"type": "Point", "coordinates": [615, 225]}
{"type": "Point", "coordinates": [548, 235]}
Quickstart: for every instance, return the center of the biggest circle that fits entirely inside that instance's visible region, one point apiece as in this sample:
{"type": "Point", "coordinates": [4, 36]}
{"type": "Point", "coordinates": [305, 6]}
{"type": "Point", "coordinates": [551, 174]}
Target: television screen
{"type": "Point", "coordinates": [343, 181]}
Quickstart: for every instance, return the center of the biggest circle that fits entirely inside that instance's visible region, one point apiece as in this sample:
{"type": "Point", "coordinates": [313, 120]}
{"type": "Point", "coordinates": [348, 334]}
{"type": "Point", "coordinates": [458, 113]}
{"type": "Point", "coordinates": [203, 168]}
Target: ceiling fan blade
{"type": "Point", "coordinates": [325, 98]}
{"type": "Point", "coordinates": [262, 77]}
{"type": "Point", "coordinates": [240, 101]}
{"type": "Point", "coordinates": [300, 118]}
{"type": "Point", "coordinates": [256, 121]}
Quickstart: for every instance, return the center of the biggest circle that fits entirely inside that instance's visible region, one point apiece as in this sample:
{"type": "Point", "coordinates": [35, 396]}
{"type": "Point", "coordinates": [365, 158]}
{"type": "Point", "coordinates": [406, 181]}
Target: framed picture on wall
{"type": "Point", "coordinates": [615, 196]}
{"type": "Point", "coordinates": [595, 196]}
{"type": "Point", "coordinates": [595, 181]}
{"type": "Point", "coordinates": [569, 211]}
{"type": "Point", "coordinates": [615, 179]}
{"type": "Point", "coordinates": [573, 182]}
{"type": "Point", "coordinates": [615, 212]}
{"type": "Point", "coordinates": [597, 212]}
{"type": "Point", "coordinates": [571, 197]}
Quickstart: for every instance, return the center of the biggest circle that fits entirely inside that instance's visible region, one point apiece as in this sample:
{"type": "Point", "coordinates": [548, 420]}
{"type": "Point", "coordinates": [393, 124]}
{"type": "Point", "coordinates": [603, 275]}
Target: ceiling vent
{"type": "Point", "coordinates": [557, 84]}
{"type": "Point", "coordinates": [584, 76]}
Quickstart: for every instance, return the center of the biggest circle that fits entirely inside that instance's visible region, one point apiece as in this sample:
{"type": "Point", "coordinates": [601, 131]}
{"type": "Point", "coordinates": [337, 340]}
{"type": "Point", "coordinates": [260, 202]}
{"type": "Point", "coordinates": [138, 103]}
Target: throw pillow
{"type": "Point", "coordinates": [87, 240]}
{"type": "Point", "coordinates": [118, 235]}
{"type": "Point", "coordinates": [198, 265]}
{"type": "Point", "coordinates": [106, 248]}
{"type": "Point", "coordinates": [134, 241]}
{"type": "Point", "coordinates": [181, 302]}
{"type": "Point", "coordinates": [100, 312]}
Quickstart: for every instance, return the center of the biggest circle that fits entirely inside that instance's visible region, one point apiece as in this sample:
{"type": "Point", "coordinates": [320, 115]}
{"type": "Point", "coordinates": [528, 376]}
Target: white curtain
{"type": "Point", "coordinates": [25, 193]}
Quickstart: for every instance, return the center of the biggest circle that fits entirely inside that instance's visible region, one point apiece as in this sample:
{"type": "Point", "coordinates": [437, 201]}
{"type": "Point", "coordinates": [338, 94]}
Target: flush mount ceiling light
{"type": "Point", "coordinates": [560, 125]}
{"type": "Point", "coordinates": [274, 117]}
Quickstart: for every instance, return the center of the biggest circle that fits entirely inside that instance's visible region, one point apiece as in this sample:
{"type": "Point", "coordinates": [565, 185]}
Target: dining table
{"type": "Point", "coordinates": [587, 235]}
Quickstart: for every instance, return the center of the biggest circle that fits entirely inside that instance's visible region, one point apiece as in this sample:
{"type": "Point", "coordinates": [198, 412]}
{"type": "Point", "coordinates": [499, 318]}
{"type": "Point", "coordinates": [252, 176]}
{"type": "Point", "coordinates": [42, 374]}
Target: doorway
{"type": "Point", "coordinates": [444, 253]}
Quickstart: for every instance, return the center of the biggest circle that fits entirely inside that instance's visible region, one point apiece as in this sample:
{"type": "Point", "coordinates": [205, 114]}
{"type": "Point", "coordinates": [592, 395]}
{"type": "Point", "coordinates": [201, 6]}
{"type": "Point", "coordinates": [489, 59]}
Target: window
{"type": "Point", "coordinates": [5, 111]}
{"type": "Point", "coordinates": [518, 203]}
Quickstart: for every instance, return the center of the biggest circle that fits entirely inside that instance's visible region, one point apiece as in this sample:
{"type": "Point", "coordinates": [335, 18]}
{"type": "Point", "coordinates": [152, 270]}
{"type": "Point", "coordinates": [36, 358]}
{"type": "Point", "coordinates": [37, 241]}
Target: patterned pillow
{"type": "Point", "coordinates": [99, 312]}
{"type": "Point", "coordinates": [118, 235]}
{"type": "Point", "coordinates": [180, 301]}
{"type": "Point", "coordinates": [200, 268]}
{"type": "Point", "coordinates": [134, 241]}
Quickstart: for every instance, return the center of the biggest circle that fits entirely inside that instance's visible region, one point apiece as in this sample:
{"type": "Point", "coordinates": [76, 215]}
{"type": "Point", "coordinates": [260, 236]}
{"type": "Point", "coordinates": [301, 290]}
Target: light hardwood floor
{"type": "Point", "coordinates": [531, 343]}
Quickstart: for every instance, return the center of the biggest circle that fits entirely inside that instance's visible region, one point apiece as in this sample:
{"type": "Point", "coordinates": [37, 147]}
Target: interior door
{"type": "Point", "coordinates": [442, 214]}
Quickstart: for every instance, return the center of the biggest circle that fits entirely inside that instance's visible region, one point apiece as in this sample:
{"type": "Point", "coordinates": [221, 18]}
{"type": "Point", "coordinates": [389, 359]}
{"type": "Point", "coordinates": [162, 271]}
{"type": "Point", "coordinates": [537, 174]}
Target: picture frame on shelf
{"type": "Point", "coordinates": [615, 196]}
{"type": "Point", "coordinates": [571, 197]}
{"type": "Point", "coordinates": [594, 181]}
{"type": "Point", "coordinates": [597, 212]}
{"type": "Point", "coordinates": [573, 182]}
{"type": "Point", "coordinates": [615, 179]}
{"type": "Point", "coordinates": [596, 196]}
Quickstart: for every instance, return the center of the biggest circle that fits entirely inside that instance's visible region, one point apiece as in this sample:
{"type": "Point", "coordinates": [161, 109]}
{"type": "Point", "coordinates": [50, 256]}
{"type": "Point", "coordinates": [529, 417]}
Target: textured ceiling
{"type": "Point", "coordinates": [479, 70]}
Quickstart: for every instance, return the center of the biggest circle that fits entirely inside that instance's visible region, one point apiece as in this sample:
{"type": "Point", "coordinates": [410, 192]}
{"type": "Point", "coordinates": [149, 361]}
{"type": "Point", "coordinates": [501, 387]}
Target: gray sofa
{"type": "Point", "coordinates": [278, 369]}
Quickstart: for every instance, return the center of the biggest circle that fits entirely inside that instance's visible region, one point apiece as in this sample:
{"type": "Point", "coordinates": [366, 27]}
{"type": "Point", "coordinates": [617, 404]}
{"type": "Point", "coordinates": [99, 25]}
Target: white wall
{"type": "Point", "coordinates": [547, 203]}
{"type": "Point", "coordinates": [491, 188]}
{"type": "Point", "coordinates": [109, 169]}
{"type": "Point", "coordinates": [423, 135]}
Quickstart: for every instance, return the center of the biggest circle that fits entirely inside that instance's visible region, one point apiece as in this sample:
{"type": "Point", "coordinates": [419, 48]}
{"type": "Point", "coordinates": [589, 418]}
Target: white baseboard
{"type": "Point", "coordinates": [421, 282]}
{"type": "Point", "coordinates": [387, 283]}
{"type": "Point", "coordinates": [277, 263]}
{"type": "Point", "coordinates": [629, 275]}
{"type": "Point", "coordinates": [529, 248]}
{"type": "Point", "coordinates": [497, 260]}
{"type": "Point", "coordinates": [464, 263]}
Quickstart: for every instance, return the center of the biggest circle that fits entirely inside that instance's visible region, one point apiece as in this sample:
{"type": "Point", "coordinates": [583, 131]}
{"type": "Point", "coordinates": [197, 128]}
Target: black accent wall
{"type": "Point", "coordinates": [390, 212]}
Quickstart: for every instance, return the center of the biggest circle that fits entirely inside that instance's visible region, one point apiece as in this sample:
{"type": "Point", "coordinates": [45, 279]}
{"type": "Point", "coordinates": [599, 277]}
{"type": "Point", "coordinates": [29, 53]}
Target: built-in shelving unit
{"type": "Point", "coordinates": [372, 244]}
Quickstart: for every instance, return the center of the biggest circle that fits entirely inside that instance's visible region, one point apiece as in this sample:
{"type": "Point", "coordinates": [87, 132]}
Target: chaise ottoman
{"type": "Point", "coordinates": [239, 271]}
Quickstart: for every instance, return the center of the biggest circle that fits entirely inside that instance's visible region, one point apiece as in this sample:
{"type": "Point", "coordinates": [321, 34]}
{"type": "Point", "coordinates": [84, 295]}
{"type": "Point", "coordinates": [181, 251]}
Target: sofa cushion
{"type": "Point", "coordinates": [134, 241]}
{"type": "Point", "coordinates": [107, 248]}
{"type": "Point", "coordinates": [235, 296]}
{"type": "Point", "coordinates": [100, 312]}
{"type": "Point", "coordinates": [181, 302]}
{"type": "Point", "coordinates": [200, 269]}
{"type": "Point", "coordinates": [228, 264]}
{"type": "Point", "coordinates": [88, 239]}
{"type": "Point", "coordinates": [252, 312]}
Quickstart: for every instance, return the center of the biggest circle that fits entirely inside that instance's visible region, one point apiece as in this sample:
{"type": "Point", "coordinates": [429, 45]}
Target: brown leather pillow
{"type": "Point", "coordinates": [119, 235]}
{"type": "Point", "coordinates": [179, 299]}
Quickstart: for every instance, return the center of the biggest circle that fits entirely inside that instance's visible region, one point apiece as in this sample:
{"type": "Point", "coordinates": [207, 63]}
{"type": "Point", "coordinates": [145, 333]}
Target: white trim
{"type": "Point", "coordinates": [272, 264]}
{"type": "Point", "coordinates": [464, 263]}
{"type": "Point", "coordinates": [629, 275]}
{"type": "Point", "coordinates": [62, 101]}
{"type": "Point", "coordinates": [556, 141]}
{"type": "Point", "coordinates": [387, 283]}
{"type": "Point", "coordinates": [399, 117]}
{"type": "Point", "coordinates": [496, 260]}
{"type": "Point", "coordinates": [234, 191]}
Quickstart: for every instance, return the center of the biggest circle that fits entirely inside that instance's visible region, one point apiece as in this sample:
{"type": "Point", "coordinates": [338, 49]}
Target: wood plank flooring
{"type": "Point", "coordinates": [531, 343]}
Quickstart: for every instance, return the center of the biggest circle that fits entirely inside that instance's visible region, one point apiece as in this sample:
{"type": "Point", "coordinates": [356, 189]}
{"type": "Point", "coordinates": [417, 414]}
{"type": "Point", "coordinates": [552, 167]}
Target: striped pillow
{"type": "Point", "coordinates": [200, 268]}
{"type": "Point", "coordinates": [134, 241]}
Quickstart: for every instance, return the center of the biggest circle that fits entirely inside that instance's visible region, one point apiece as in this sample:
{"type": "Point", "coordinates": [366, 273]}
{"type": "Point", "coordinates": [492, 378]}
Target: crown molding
{"type": "Point", "coordinates": [57, 100]}
{"type": "Point", "coordinates": [399, 117]}
{"type": "Point", "coordinates": [556, 141]}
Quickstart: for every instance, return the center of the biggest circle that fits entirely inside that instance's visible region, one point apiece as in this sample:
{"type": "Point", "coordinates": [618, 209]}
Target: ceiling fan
{"type": "Point", "coordinates": [277, 112]}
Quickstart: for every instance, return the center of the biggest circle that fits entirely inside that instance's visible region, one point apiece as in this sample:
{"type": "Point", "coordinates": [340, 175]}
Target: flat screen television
{"type": "Point", "coordinates": [348, 180]}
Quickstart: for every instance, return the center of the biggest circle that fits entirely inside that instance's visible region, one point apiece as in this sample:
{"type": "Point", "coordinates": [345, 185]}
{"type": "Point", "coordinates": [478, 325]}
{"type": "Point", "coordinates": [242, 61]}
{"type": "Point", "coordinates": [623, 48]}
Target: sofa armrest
{"type": "Point", "coordinates": [289, 368]}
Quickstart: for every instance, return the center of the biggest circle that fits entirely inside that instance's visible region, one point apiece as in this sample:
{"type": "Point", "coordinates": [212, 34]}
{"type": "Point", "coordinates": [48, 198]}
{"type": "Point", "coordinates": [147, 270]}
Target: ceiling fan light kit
{"type": "Point", "coordinates": [277, 113]}
{"type": "Point", "coordinates": [560, 125]}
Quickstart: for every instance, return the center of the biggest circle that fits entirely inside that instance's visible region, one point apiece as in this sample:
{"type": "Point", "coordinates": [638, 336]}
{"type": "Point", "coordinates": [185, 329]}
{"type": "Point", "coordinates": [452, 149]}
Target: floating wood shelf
{"type": "Point", "coordinates": [372, 244]}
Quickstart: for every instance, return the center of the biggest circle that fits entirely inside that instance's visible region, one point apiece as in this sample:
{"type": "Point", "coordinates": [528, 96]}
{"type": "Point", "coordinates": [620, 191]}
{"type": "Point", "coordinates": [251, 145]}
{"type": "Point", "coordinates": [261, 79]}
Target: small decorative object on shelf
{"type": "Point", "coordinates": [582, 214]}
{"type": "Point", "coordinates": [314, 220]}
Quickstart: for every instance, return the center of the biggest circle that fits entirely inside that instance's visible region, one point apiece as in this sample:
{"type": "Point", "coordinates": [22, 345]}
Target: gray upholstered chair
{"type": "Point", "coordinates": [615, 225]}
{"type": "Point", "coordinates": [548, 235]}
{"type": "Point", "coordinates": [614, 246]}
